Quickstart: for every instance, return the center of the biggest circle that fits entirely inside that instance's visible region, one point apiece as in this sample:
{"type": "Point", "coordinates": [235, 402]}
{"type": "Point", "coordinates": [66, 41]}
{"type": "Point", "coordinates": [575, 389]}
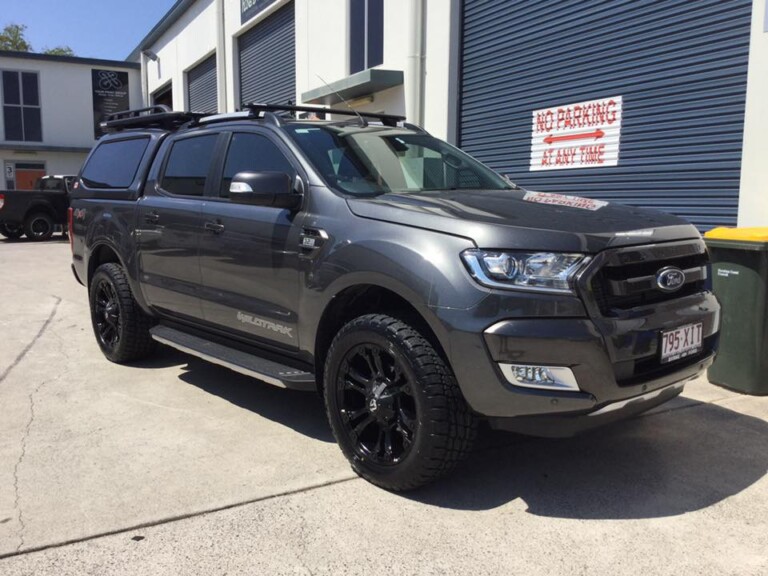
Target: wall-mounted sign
{"type": "Point", "coordinates": [249, 8]}
{"type": "Point", "coordinates": [583, 135]}
{"type": "Point", "coordinates": [110, 95]}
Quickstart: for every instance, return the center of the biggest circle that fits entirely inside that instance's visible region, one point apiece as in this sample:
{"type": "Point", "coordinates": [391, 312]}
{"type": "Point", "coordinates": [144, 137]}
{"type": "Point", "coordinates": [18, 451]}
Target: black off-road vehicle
{"type": "Point", "coordinates": [415, 288]}
{"type": "Point", "coordinates": [35, 213]}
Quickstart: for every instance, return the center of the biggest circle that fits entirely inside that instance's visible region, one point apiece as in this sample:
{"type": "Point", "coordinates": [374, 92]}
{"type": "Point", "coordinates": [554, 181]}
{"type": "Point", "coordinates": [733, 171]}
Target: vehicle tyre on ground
{"type": "Point", "coordinates": [11, 231]}
{"type": "Point", "coordinates": [121, 327]}
{"type": "Point", "coordinates": [394, 405]}
{"type": "Point", "coordinates": [38, 226]}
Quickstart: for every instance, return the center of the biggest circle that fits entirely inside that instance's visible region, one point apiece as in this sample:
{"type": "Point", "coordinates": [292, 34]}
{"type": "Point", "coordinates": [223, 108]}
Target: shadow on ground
{"type": "Point", "coordinates": [302, 411]}
{"type": "Point", "coordinates": [662, 464]}
{"type": "Point", "coordinates": [657, 465]}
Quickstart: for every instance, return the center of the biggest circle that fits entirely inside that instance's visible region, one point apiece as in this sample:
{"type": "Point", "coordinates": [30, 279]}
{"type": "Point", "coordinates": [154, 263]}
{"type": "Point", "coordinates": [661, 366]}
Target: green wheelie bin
{"type": "Point", "coordinates": [740, 281]}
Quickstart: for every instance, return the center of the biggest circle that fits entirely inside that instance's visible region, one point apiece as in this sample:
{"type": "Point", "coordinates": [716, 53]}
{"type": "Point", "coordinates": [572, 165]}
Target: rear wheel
{"type": "Point", "coordinates": [11, 231]}
{"type": "Point", "coordinates": [120, 325]}
{"type": "Point", "coordinates": [38, 226]}
{"type": "Point", "coordinates": [394, 405]}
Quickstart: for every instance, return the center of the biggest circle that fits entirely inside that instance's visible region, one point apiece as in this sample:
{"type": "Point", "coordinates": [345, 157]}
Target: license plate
{"type": "Point", "coordinates": [681, 342]}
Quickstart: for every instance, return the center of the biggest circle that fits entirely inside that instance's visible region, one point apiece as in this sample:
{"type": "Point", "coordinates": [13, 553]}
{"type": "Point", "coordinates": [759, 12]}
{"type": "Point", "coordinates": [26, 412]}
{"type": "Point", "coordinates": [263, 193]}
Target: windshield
{"type": "Point", "coordinates": [377, 160]}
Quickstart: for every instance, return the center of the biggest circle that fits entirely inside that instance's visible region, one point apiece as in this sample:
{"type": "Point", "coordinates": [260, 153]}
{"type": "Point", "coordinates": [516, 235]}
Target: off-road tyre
{"type": "Point", "coordinates": [445, 428]}
{"type": "Point", "coordinates": [11, 231]}
{"type": "Point", "coordinates": [38, 226]}
{"type": "Point", "coordinates": [121, 327]}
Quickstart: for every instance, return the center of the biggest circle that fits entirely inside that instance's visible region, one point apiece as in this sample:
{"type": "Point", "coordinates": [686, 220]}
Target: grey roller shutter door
{"type": "Point", "coordinates": [201, 87]}
{"type": "Point", "coordinates": [680, 66]}
{"type": "Point", "coordinates": [267, 56]}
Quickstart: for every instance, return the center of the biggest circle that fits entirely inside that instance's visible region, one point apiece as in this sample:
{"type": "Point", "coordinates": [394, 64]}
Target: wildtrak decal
{"type": "Point", "coordinates": [266, 324]}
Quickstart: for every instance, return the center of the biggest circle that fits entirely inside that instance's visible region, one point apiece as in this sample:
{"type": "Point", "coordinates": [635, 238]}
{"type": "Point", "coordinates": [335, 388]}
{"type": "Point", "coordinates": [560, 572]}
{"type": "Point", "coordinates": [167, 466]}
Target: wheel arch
{"type": "Point", "coordinates": [102, 253]}
{"type": "Point", "coordinates": [366, 298]}
{"type": "Point", "coordinates": [40, 207]}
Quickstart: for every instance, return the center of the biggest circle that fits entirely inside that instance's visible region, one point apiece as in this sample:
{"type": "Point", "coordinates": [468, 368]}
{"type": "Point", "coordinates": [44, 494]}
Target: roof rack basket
{"type": "Point", "coordinates": [386, 119]}
{"type": "Point", "coordinates": [158, 116]}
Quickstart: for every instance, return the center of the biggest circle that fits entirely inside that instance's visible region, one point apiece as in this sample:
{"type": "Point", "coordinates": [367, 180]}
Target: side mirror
{"type": "Point", "coordinates": [264, 189]}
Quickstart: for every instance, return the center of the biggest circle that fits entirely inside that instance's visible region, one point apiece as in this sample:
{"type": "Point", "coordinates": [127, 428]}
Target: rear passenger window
{"type": "Point", "coordinates": [253, 153]}
{"type": "Point", "coordinates": [114, 163]}
{"type": "Point", "coordinates": [188, 165]}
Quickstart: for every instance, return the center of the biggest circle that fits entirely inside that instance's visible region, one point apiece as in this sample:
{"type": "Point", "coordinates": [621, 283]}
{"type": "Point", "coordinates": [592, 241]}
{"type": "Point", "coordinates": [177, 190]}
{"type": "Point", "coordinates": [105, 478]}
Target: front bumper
{"type": "Point", "coordinates": [613, 360]}
{"type": "Point", "coordinates": [569, 425]}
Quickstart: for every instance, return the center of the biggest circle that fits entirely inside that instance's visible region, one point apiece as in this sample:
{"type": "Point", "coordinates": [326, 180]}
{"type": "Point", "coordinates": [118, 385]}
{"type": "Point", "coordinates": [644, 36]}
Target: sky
{"type": "Point", "coordinates": [108, 29]}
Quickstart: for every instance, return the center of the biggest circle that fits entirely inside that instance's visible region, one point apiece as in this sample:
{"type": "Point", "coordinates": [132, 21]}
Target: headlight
{"type": "Point", "coordinates": [536, 271]}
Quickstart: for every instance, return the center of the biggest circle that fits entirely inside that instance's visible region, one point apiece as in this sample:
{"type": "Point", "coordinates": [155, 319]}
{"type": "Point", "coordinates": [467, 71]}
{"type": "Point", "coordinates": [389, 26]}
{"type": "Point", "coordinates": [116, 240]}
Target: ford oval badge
{"type": "Point", "coordinates": [670, 279]}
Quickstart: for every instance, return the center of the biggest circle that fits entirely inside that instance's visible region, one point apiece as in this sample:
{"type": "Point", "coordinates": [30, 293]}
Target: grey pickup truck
{"type": "Point", "coordinates": [418, 291]}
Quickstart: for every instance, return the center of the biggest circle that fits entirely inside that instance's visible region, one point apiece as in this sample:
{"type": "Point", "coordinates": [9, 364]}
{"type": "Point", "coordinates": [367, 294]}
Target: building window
{"type": "Point", "coordinates": [21, 107]}
{"type": "Point", "coordinates": [366, 34]}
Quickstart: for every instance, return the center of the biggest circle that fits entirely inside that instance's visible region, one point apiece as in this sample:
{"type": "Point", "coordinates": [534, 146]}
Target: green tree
{"type": "Point", "coordinates": [12, 38]}
{"type": "Point", "coordinates": [59, 51]}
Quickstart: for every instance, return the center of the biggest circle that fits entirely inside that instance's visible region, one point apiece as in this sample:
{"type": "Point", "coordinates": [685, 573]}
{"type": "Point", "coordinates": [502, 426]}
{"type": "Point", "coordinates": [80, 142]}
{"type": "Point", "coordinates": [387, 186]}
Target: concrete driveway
{"type": "Point", "coordinates": [175, 466]}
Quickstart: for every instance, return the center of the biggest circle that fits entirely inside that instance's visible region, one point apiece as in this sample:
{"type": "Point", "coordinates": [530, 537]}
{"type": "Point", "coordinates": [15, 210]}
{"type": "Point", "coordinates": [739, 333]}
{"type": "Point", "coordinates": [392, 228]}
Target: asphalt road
{"type": "Point", "coordinates": [175, 466]}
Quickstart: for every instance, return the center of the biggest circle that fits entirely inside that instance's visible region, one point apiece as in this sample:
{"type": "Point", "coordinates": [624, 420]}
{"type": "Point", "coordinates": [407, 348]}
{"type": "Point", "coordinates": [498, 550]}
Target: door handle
{"type": "Point", "coordinates": [215, 227]}
{"type": "Point", "coordinates": [152, 217]}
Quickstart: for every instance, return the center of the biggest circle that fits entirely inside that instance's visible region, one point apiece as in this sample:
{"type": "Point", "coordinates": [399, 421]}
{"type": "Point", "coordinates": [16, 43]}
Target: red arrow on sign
{"type": "Point", "coordinates": [580, 136]}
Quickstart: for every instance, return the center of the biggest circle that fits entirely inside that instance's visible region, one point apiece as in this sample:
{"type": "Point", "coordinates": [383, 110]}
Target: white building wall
{"type": "Point", "coordinates": [189, 41]}
{"type": "Point", "coordinates": [322, 51]}
{"type": "Point", "coordinates": [321, 45]}
{"type": "Point", "coordinates": [55, 162]}
{"type": "Point", "coordinates": [753, 194]}
{"type": "Point", "coordinates": [66, 99]}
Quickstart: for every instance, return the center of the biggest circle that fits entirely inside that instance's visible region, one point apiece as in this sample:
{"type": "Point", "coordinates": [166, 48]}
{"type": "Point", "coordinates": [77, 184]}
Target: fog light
{"type": "Point", "coordinates": [542, 377]}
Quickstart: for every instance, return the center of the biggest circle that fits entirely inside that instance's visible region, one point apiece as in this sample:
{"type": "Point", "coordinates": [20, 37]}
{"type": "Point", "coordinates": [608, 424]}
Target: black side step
{"type": "Point", "coordinates": [266, 370]}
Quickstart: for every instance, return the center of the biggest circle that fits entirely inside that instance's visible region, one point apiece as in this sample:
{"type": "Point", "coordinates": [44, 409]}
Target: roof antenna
{"type": "Point", "coordinates": [363, 123]}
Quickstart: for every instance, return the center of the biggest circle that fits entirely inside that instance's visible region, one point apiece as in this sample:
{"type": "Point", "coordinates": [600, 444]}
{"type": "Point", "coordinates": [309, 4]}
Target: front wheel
{"type": "Point", "coordinates": [394, 405]}
{"type": "Point", "coordinates": [121, 327]}
{"type": "Point", "coordinates": [11, 231]}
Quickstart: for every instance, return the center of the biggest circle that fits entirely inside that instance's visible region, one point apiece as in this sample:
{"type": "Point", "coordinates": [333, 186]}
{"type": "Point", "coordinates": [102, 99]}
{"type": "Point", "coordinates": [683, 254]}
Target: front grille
{"type": "Point", "coordinates": [626, 279]}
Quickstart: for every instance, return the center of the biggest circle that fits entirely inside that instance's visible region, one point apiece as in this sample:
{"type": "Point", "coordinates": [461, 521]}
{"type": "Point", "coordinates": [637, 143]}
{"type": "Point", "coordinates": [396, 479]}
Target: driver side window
{"type": "Point", "coordinates": [253, 153]}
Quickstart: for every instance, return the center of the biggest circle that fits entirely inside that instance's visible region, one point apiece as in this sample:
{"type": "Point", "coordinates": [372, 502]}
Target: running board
{"type": "Point", "coordinates": [242, 362]}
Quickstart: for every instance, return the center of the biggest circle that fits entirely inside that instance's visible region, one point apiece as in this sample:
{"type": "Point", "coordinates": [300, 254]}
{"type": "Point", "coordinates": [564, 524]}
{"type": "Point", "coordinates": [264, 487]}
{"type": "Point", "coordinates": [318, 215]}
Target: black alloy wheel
{"type": "Point", "coordinates": [394, 405]}
{"type": "Point", "coordinates": [106, 315]}
{"type": "Point", "coordinates": [377, 405]}
{"type": "Point", "coordinates": [38, 227]}
{"type": "Point", "coordinates": [121, 327]}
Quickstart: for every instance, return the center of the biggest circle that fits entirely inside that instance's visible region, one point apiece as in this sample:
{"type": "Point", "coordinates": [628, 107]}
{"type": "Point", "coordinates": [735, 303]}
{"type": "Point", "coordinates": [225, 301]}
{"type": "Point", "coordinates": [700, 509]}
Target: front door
{"type": "Point", "coordinates": [169, 227]}
{"type": "Point", "coordinates": [249, 254]}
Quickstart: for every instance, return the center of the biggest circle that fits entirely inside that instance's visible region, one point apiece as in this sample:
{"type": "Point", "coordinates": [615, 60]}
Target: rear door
{"type": "Point", "coordinates": [249, 254]}
{"type": "Point", "coordinates": [169, 226]}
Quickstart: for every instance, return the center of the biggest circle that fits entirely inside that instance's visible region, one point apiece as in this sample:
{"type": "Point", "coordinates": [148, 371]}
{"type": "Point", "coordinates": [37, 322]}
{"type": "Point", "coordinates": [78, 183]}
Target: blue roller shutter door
{"type": "Point", "coordinates": [680, 66]}
{"type": "Point", "coordinates": [267, 55]}
{"type": "Point", "coordinates": [201, 87]}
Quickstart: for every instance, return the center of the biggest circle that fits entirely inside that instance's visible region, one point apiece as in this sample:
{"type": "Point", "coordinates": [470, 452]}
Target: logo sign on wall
{"type": "Point", "coordinates": [249, 8]}
{"type": "Point", "coordinates": [583, 135]}
{"type": "Point", "coordinates": [110, 95]}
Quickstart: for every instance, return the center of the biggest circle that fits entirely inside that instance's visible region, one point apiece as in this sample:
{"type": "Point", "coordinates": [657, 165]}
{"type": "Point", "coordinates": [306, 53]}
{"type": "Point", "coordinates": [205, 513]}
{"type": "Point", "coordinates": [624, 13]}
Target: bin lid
{"type": "Point", "coordinates": [759, 234]}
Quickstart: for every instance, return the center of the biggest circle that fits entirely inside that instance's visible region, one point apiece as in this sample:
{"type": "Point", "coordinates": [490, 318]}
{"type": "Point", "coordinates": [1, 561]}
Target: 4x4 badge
{"type": "Point", "coordinates": [670, 279]}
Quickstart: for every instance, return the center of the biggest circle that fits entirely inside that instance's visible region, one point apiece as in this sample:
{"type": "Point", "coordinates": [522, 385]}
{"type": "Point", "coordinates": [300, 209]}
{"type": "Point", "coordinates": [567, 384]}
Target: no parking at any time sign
{"type": "Point", "coordinates": [583, 135]}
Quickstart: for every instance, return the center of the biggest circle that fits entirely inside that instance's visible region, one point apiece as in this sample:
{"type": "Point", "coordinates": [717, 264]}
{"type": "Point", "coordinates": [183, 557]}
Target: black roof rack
{"type": "Point", "coordinates": [158, 116]}
{"type": "Point", "coordinates": [386, 119]}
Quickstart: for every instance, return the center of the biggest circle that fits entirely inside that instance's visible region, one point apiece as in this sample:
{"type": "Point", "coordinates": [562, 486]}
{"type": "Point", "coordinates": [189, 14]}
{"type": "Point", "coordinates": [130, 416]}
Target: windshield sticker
{"type": "Point", "coordinates": [562, 200]}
